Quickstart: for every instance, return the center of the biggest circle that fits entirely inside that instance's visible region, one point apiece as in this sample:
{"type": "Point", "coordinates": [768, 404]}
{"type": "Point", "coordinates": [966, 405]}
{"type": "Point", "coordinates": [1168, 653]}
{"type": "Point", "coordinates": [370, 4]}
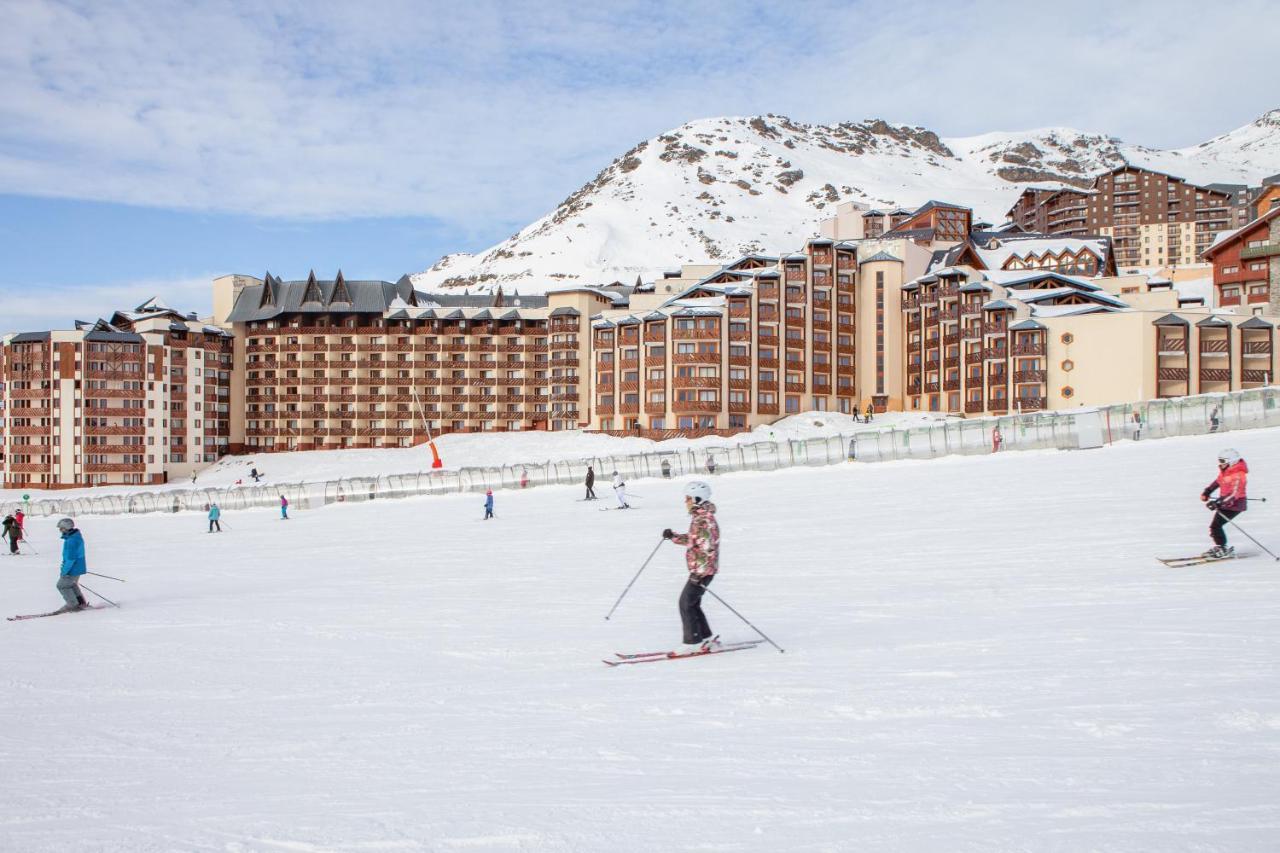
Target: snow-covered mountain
{"type": "Point", "coordinates": [716, 188]}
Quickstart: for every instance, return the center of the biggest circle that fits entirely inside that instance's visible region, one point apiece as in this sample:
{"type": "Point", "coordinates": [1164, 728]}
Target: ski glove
{"type": "Point", "coordinates": [1213, 504]}
{"type": "Point", "coordinates": [667, 534]}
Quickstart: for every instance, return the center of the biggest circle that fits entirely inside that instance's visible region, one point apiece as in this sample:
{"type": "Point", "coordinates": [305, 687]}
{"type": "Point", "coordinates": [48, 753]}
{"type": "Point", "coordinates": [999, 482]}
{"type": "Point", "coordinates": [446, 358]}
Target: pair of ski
{"type": "Point", "coordinates": [57, 612]}
{"type": "Point", "coordinates": [1195, 560]}
{"type": "Point", "coordinates": [653, 657]}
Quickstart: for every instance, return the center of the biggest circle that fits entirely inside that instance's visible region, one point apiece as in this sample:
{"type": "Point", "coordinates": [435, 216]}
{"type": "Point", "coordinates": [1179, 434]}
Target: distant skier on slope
{"type": "Point", "coordinates": [284, 508]}
{"type": "Point", "coordinates": [12, 532]}
{"type": "Point", "coordinates": [488, 504]}
{"type": "Point", "coordinates": [73, 566]}
{"type": "Point", "coordinates": [620, 490]}
{"type": "Point", "coordinates": [215, 516]}
{"type": "Point", "coordinates": [1231, 483]}
{"type": "Point", "coordinates": [702, 557]}
{"type": "Point", "coordinates": [591, 481]}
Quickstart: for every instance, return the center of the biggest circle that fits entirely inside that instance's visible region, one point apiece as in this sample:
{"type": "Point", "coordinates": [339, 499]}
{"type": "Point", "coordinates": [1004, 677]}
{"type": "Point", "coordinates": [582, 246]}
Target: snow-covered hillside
{"type": "Point", "coordinates": [982, 655]}
{"type": "Point", "coordinates": [713, 189]}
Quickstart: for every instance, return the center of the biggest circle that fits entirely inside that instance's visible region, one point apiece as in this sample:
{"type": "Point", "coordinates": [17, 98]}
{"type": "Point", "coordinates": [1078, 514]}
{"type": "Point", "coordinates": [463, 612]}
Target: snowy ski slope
{"type": "Point", "coordinates": [982, 655]}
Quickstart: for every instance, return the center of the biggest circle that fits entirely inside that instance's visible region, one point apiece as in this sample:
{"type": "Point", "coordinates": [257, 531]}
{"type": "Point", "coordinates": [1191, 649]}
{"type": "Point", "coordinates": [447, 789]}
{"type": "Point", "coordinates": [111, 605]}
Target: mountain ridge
{"type": "Point", "coordinates": [715, 188]}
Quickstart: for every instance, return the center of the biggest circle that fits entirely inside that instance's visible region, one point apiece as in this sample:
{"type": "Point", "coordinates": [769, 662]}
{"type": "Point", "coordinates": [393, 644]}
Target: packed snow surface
{"type": "Point", "coordinates": [982, 654]}
{"type": "Point", "coordinates": [471, 450]}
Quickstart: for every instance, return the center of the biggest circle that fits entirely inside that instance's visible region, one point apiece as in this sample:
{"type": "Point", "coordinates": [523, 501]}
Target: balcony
{"type": "Point", "coordinates": [1031, 404]}
{"type": "Point", "coordinates": [1026, 376]}
{"type": "Point", "coordinates": [1173, 345]}
{"type": "Point", "coordinates": [696, 358]}
{"type": "Point", "coordinates": [1266, 250]}
{"type": "Point", "coordinates": [696, 334]}
{"type": "Point", "coordinates": [1260, 376]}
{"type": "Point", "coordinates": [692, 406]}
{"type": "Point", "coordinates": [1215, 374]}
{"type": "Point", "coordinates": [951, 384]}
{"type": "Point", "coordinates": [1029, 349]}
{"type": "Point", "coordinates": [691, 382]}
{"type": "Point", "coordinates": [1229, 300]}
{"type": "Point", "coordinates": [995, 354]}
{"type": "Point", "coordinates": [1215, 347]}
{"type": "Point", "coordinates": [1257, 348]}
{"type": "Point", "coordinates": [974, 407]}
{"type": "Point", "coordinates": [931, 387]}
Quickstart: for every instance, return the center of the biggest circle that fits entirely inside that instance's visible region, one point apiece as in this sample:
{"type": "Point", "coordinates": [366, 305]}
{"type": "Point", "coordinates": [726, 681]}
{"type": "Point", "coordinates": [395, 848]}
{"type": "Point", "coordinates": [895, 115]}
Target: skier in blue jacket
{"type": "Point", "coordinates": [214, 515]}
{"type": "Point", "coordinates": [73, 566]}
{"type": "Point", "coordinates": [488, 504]}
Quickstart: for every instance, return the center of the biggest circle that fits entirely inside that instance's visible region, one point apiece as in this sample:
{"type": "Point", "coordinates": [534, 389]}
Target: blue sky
{"type": "Point", "coordinates": [147, 146]}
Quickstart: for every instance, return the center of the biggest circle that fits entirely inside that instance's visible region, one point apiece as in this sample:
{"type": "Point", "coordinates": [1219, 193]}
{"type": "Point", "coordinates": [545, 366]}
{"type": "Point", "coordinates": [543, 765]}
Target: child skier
{"type": "Point", "coordinates": [702, 557]}
{"type": "Point", "coordinates": [73, 566]}
{"type": "Point", "coordinates": [488, 504]}
{"type": "Point", "coordinates": [620, 490]}
{"type": "Point", "coordinates": [1233, 475]}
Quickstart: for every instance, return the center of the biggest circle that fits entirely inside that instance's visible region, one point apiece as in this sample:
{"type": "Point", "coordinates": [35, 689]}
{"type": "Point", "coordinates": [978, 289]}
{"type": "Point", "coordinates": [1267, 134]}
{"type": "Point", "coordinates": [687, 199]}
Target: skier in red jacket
{"type": "Point", "coordinates": [1230, 484]}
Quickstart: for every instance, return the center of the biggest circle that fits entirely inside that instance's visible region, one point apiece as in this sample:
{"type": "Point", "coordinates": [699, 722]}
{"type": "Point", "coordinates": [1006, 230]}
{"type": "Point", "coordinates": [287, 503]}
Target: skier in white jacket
{"type": "Point", "coordinates": [620, 489]}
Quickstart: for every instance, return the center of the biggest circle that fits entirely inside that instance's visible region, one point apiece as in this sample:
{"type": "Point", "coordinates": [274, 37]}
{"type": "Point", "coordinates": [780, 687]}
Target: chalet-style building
{"type": "Point", "coordinates": [1246, 265]}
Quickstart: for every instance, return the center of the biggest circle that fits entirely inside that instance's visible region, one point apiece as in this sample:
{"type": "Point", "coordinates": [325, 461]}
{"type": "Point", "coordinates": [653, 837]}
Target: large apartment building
{"type": "Point", "coordinates": [1154, 219]}
{"type": "Point", "coordinates": [989, 334]}
{"type": "Point", "coordinates": [731, 347]}
{"type": "Point", "coordinates": [134, 399]}
{"type": "Point", "coordinates": [339, 363]}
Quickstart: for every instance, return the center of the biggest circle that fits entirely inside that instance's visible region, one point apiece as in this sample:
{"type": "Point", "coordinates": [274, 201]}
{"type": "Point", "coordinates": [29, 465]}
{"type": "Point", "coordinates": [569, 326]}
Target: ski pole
{"type": "Point", "coordinates": [103, 597]}
{"type": "Point", "coordinates": [634, 579]}
{"type": "Point", "coordinates": [1232, 522]}
{"type": "Point", "coordinates": [108, 577]}
{"type": "Point", "coordinates": [744, 619]}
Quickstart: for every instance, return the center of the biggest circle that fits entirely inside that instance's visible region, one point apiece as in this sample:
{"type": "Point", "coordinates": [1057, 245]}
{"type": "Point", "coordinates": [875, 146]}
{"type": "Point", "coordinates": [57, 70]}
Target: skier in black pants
{"type": "Point", "coordinates": [12, 532]}
{"type": "Point", "coordinates": [591, 481]}
{"type": "Point", "coordinates": [702, 557]}
{"type": "Point", "coordinates": [1231, 484]}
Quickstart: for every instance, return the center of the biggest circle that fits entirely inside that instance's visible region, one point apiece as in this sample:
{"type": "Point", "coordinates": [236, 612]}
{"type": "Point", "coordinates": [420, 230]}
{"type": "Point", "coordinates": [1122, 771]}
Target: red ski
{"type": "Point", "coordinates": [650, 657]}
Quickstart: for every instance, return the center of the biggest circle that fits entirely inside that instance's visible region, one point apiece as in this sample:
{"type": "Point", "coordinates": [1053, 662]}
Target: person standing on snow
{"type": "Point", "coordinates": [12, 532]}
{"type": "Point", "coordinates": [591, 481]}
{"type": "Point", "coordinates": [702, 558]}
{"type": "Point", "coordinates": [21, 518]}
{"type": "Point", "coordinates": [620, 489]}
{"type": "Point", "coordinates": [1231, 482]}
{"type": "Point", "coordinates": [284, 508]}
{"type": "Point", "coordinates": [73, 566]}
{"type": "Point", "coordinates": [214, 515]}
{"type": "Point", "coordinates": [488, 504]}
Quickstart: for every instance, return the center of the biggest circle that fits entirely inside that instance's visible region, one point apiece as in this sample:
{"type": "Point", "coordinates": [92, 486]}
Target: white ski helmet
{"type": "Point", "coordinates": [1229, 456]}
{"type": "Point", "coordinates": [66, 524]}
{"type": "Point", "coordinates": [699, 491]}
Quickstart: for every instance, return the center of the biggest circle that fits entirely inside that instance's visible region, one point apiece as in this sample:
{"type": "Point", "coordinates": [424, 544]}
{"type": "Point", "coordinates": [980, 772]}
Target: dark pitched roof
{"type": "Point", "coordinates": [882, 256]}
{"type": "Point", "coordinates": [1214, 322]}
{"type": "Point", "coordinates": [314, 296]}
{"type": "Point", "coordinates": [1170, 320]}
{"type": "Point", "coordinates": [30, 338]}
{"type": "Point", "coordinates": [1255, 323]}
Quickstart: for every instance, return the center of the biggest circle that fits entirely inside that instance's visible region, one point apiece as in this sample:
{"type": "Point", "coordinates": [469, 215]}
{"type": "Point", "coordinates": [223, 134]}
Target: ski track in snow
{"type": "Point", "coordinates": [982, 655]}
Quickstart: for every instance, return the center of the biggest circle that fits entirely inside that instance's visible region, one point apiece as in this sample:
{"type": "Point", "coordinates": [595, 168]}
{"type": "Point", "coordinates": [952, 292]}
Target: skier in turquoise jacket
{"type": "Point", "coordinates": [73, 566]}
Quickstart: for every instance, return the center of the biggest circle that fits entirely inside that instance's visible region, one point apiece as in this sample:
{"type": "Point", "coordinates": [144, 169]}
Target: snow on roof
{"type": "Point", "coordinates": [1066, 310]}
{"type": "Point", "coordinates": [1024, 248]}
{"type": "Point", "coordinates": [882, 256]}
{"type": "Point", "coordinates": [1012, 278]}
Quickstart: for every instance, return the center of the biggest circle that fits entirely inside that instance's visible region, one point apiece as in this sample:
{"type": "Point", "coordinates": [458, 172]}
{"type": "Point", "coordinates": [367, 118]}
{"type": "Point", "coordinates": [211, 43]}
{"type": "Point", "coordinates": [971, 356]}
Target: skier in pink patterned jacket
{"type": "Point", "coordinates": [702, 556]}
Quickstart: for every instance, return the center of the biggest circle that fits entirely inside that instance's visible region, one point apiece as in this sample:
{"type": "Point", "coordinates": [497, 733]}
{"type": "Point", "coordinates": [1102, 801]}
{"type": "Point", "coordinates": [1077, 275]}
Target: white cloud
{"type": "Point", "coordinates": [492, 112]}
{"type": "Point", "coordinates": [41, 307]}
